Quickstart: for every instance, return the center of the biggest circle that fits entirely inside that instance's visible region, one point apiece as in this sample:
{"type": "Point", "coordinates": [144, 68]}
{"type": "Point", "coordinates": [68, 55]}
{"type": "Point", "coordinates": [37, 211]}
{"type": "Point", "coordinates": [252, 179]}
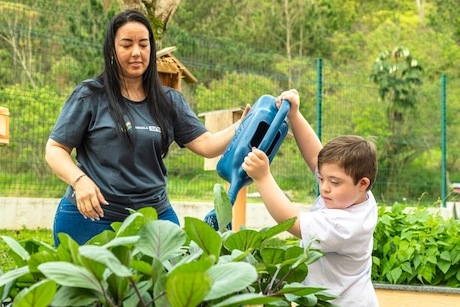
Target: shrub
{"type": "Point", "coordinates": [416, 247]}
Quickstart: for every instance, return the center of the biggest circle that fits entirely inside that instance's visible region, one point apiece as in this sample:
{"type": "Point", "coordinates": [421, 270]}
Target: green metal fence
{"type": "Point", "coordinates": [45, 51]}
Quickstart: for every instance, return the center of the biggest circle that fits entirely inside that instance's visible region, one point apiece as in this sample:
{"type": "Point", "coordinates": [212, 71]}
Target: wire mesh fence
{"type": "Point", "coordinates": [45, 51]}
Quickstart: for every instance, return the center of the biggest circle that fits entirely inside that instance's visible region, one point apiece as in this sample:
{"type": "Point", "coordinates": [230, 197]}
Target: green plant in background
{"type": "Point", "coordinates": [398, 75]}
{"type": "Point", "coordinates": [147, 262]}
{"type": "Point", "coordinates": [416, 247]}
{"type": "Point", "coordinates": [37, 235]}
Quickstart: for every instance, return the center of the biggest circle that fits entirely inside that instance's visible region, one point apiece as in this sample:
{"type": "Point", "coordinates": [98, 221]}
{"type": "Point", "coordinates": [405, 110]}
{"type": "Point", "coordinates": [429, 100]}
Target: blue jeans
{"type": "Point", "coordinates": [70, 221]}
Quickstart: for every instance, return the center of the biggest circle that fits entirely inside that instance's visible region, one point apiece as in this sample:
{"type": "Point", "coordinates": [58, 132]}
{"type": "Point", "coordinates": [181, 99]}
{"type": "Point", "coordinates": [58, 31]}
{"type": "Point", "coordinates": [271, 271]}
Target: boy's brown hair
{"type": "Point", "coordinates": [356, 155]}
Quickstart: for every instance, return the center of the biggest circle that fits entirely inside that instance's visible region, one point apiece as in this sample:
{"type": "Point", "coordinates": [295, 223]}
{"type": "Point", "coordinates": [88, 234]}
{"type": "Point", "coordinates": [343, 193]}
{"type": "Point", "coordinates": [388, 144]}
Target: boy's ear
{"type": "Point", "coordinates": [364, 183]}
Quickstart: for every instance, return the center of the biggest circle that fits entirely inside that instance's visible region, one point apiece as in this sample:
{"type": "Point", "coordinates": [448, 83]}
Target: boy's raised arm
{"type": "Point", "coordinates": [306, 138]}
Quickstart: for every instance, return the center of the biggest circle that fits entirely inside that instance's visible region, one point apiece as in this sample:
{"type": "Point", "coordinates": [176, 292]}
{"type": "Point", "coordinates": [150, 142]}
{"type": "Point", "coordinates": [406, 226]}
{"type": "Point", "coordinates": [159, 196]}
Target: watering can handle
{"type": "Point", "coordinates": [273, 129]}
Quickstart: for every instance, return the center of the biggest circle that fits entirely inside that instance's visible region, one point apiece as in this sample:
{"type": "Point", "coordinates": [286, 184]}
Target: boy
{"type": "Point", "coordinates": [342, 218]}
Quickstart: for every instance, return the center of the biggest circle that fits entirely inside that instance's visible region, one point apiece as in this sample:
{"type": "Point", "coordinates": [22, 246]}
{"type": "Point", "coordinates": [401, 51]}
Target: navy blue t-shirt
{"type": "Point", "coordinates": [126, 178]}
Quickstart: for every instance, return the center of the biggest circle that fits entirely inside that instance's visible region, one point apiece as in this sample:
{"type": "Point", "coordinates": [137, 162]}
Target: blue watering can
{"type": "Point", "coordinates": [265, 127]}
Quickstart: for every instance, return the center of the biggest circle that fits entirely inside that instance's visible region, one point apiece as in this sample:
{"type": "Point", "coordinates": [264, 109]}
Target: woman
{"type": "Point", "coordinates": [122, 124]}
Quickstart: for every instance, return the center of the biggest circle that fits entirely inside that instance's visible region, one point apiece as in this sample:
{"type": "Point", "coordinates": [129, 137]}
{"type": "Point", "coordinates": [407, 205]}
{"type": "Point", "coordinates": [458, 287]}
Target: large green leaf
{"type": "Point", "coordinates": [162, 239]}
{"type": "Point", "coordinates": [13, 275]}
{"type": "Point", "coordinates": [443, 265]}
{"type": "Point", "coordinates": [136, 220]}
{"type": "Point", "coordinates": [121, 241]}
{"type": "Point", "coordinates": [194, 268]}
{"type": "Point", "coordinates": [201, 265]}
{"type": "Point", "coordinates": [105, 257]}
{"type": "Point", "coordinates": [223, 207]}
{"type": "Point", "coordinates": [149, 214]}
{"type": "Point", "coordinates": [118, 286]}
{"type": "Point", "coordinates": [96, 268]}
{"type": "Point", "coordinates": [270, 232]}
{"type": "Point", "coordinates": [293, 252]}
{"type": "Point", "coordinates": [142, 266]}
{"type": "Point", "coordinates": [41, 257]}
{"type": "Point", "coordinates": [129, 226]}
{"type": "Point", "coordinates": [293, 274]}
{"type": "Point", "coordinates": [187, 289]}
{"type": "Point", "coordinates": [68, 248]}
{"type": "Point", "coordinates": [103, 238]}
{"type": "Point", "coordinates": [272, 255]}
{"type": "Point", "coordinates": [300, 289]}
{"type": "Point", "coordinates": [70, 275]}
{"type": "Point", "coordinates": [16, 248]}
{"type": "Point", "coordinates": [38, 295]}
{"type": "Point", "coordinates": [243, 240]}
{"type": "Point", "coordinates": [204, 236]}
{"type": "Point", "coordinates": [68, 296]}
{"type": "Point", "coordinates": [307, 300]}
{"type": "Point", "coordinates": [230, 278]}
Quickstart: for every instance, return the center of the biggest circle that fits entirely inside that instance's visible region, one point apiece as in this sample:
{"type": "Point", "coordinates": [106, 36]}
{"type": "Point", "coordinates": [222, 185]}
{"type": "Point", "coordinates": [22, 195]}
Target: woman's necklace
{"type": "Point", "coordinates": [134, 95]}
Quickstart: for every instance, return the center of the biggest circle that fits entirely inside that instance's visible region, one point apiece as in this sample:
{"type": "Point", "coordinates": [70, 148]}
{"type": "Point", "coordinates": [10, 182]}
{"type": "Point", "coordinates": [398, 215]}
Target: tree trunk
{"type": "Point", "coordinates": [421, 9]}
{"type": "Point", "coordinates": [159, 12]}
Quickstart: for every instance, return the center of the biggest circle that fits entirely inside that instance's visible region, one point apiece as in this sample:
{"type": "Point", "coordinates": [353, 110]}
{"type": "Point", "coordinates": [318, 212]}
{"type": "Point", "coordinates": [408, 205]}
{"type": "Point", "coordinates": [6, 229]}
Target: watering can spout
{"type": "Point", "coordinates": [265, 127]}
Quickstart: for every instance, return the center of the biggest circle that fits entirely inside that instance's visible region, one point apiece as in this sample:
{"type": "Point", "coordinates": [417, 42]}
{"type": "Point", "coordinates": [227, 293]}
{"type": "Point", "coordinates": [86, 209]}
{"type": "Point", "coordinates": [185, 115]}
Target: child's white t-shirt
{"type": "Point", "coordinates": [346, 238]}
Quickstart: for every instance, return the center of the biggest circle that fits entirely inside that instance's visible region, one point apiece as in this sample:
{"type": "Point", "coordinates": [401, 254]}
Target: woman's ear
{"type": "Point", "coordinates": [364, 183]}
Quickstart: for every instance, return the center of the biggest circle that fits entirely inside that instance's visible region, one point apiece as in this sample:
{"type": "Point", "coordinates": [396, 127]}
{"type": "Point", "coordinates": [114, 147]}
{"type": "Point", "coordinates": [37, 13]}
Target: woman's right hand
{"type": "Point", "coordinates": [89, 198]}
{"type": "Point", "coordinates": [87, 194]}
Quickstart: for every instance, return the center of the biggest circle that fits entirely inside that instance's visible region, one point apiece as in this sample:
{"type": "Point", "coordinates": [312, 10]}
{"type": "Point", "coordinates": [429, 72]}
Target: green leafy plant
{"type": "Point", "coordinates": [416, 247]}
{"type": "Point", "coordinates": [149, 262]}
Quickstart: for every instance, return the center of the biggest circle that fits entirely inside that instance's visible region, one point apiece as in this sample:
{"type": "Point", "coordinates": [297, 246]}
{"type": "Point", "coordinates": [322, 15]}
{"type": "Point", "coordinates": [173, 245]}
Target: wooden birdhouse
{"type": "Point", "coordinates": [4, 127]}
{"type": "Point", "coordinates": [171, 71]}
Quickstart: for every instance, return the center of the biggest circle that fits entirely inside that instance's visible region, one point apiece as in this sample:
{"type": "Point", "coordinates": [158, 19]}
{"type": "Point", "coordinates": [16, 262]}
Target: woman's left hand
{"type": "Point", "coordinates": [246, 110]}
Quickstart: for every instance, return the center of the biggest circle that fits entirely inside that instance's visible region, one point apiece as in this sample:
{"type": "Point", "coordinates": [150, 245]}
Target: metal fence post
{"type": "Point", "coordinates": [319, 98]}
{"type": "Point", "coordinates": [443, 140]}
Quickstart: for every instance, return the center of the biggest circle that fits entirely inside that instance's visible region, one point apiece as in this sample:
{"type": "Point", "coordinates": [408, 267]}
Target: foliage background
{"type": "Point", "coordinates": [240, 50]}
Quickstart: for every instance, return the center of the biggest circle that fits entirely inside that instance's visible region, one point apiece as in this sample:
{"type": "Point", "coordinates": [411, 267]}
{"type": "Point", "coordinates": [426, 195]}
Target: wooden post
{"type": "Point", "coordinates": [4, 127]}
{"type": "Point", "coordinates": [239, 209]}
{"type": "Point", "coordinates": [214, 122]}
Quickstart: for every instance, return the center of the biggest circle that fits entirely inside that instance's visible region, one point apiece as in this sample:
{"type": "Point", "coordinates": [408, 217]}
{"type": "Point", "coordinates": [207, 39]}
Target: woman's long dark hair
{"type": "Point", "coordinates": [160, 105]}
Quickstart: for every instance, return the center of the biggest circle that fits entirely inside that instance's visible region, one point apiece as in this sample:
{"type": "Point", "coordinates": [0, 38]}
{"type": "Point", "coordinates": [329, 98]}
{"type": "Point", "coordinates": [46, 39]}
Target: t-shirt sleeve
{"type": "Point", "coordinates": [187, 126]}
{"type": "Point", "coordinates": [327, 229]}
{"type": "Point", "coordinates": [73, 121]}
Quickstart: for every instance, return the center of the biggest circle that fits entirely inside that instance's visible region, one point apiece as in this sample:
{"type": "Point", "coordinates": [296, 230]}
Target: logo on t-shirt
{"type": "Point", "coordinates": [128, 126]}
{"type": "Point", "coordinates": [149, 128]}
{"type": "Point", "coordinates": [154, 128]}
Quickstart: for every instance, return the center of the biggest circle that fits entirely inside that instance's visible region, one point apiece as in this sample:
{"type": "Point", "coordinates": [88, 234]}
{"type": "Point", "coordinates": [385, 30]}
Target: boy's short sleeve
{"type": "Point", "coordinates": [326, 228]}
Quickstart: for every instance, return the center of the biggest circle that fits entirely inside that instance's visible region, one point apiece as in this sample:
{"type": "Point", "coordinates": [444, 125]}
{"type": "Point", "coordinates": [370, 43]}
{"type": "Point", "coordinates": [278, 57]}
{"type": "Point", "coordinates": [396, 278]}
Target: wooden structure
{"type": "Point", "coordinates": [4, 127]}
{"type": "Point", "coordinates": [216, 121]}
{"type": "Point", "coordinates": [171, 71]}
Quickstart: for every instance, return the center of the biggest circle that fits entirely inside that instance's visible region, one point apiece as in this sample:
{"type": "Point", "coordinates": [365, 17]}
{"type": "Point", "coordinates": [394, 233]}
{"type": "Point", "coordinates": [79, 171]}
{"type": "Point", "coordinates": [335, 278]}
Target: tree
{"type": "Point", "coordinates": [398, 76]}
{"type": "Point", "coordinates": [21, 42]}
{"type": "Point", "coordinates": [159, 12]}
